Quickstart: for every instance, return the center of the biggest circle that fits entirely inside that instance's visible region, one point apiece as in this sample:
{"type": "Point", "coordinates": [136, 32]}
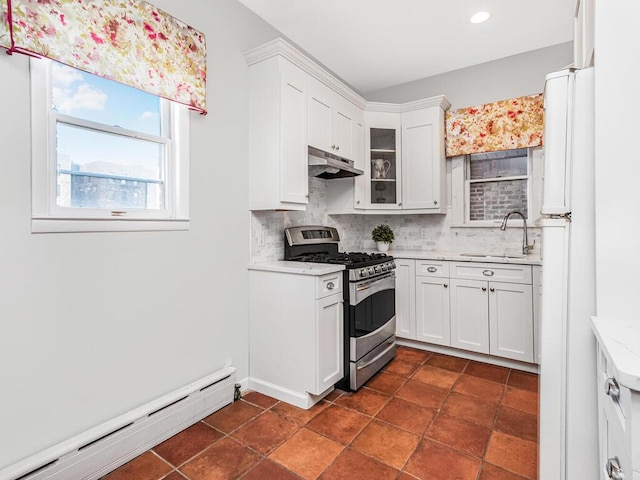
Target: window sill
{"type": "Point", "coordinates": [66, 225]}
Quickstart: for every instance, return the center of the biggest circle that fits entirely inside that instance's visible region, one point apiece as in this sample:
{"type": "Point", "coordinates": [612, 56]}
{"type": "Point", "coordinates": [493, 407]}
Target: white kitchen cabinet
{"type": "Point", "coordinates": [406, 298]}
{"type": "Point", "coordinates": [382, 172]}
{"type": "Point", "coordinates": [405, 167]}
{"type": "Point", "coordinates": [331, 121]}
{"type": "Point", "coordinates": [432, 310]}
{"type": "Point", "coordinates": [494, 317]}
{"type": "Point", "coordinates": [423, 160]}
{"type": "Point", "coordinates": [296, 345]}
{"type": "Point", "coordinates": [433, 319]}
{"type": "Point", "coordinates": [618, 382]}
{"type": "Point", "coordinates": [511, 321]}
{"type": "Point", "coordinates": [469, 315]}
{"type": "Point", "coordinates": [278, 171]}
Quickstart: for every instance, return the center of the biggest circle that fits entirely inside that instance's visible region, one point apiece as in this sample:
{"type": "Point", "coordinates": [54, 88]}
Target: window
{"type": "Point", "coordinates": [105, 156]}
{"type": "Point", "coordinates": [497, 182]}
{"type": "Point", "coordinates": [485, 186]}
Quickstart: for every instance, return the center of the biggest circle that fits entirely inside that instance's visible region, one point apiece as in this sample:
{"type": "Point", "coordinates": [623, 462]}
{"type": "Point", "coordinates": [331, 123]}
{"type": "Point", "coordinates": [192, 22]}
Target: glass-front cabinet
{"type": "Point", "coordinates": [383, 173]}
{"type": "Point", "coordinates": [383, 166]}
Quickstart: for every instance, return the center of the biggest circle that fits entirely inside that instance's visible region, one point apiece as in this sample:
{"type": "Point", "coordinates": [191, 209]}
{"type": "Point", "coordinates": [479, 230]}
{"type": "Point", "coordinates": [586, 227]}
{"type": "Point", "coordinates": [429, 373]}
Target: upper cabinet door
{"type": "Point", "coordinates": [331, 120]}
{"type": "Point", "coordinates": [320, 112]}
{"type": "Point", "coordinates": [423, 160]}
{"type": "Point", "coordinates": [343, 131]}
{"type": "Point", "coordinates": [294, 173]}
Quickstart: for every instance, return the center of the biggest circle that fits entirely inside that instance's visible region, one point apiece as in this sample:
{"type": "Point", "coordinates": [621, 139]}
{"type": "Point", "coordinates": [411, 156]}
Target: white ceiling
{"type": "Point", "coordinates": [373, 44]}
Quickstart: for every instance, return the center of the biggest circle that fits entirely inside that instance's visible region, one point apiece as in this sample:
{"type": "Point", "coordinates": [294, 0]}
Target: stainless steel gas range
{"type": "Point", "coordinates": [369, 299]}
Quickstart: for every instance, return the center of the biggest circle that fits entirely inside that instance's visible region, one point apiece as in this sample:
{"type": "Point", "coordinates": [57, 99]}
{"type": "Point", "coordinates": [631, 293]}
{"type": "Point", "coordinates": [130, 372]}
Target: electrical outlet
{"type": "Point", "coordinates": [424, 233]}
{"type": "Point", "coordinates": [261, 238]}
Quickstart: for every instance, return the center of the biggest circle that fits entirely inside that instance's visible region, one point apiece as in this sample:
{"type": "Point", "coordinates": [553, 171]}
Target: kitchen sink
{"type": "Point", "coordinates": [492, 255]}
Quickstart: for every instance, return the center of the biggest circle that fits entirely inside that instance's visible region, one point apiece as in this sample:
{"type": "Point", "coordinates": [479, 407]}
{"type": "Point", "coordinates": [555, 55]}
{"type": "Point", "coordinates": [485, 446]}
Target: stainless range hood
{"type": "Point", "coordinates": [328, 166]}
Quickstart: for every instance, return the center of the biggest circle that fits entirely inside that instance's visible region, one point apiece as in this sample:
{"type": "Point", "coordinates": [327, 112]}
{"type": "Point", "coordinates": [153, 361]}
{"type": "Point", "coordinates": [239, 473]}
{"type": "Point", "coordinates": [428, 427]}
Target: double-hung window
{"type": "Point", "coordinates": [105, 156]}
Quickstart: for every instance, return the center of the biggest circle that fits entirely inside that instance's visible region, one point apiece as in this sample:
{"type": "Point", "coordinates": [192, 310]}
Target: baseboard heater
{"type": "Point", "coordinates": [96, 452]}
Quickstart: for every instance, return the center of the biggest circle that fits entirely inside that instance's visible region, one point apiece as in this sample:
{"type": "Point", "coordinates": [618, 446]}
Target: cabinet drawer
{"type": "Point", "coordinates": [328, 284]}
{"type": "Point", "coordinates": [495, 272]}
{"type": "Point", "coordinates": [431, 268]}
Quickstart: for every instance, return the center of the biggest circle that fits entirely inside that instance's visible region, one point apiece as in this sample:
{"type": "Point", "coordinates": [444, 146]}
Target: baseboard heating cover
{"type": "Point", "coordinates": [98, 451]}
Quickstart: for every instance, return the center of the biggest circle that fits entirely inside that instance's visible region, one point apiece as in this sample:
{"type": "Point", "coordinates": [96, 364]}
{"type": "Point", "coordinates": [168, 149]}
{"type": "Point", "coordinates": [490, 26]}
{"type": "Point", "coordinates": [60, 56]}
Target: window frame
{"type": "Point", "coordinates": [461, 191]}
{"type": "Point", "coordinates": [47, 216]}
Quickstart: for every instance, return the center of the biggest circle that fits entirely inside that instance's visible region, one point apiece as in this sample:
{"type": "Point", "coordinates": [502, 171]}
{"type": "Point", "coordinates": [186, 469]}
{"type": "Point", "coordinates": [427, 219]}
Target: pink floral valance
{"type": "Point", "coordinates": [503, 125]}
{"type": "Point", "coordinates": [129, 41]}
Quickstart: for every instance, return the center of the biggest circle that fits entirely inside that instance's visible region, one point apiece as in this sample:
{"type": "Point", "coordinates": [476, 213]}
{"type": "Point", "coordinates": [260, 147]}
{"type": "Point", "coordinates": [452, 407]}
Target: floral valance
{"type": "Point", "coordinates": [129, 41]}
{"type": "Point", "coordinates": [503, 125]}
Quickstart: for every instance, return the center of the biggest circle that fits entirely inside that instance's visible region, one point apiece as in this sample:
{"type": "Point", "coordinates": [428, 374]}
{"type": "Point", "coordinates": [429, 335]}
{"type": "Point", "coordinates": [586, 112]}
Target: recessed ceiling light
{"type": "Point", "coordinates": [480, 17]}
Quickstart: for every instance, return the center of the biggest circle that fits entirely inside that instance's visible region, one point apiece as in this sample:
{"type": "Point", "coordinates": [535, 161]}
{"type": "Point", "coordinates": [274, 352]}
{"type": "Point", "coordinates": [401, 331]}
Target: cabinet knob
{"type": "Point", "coordinates": [492, 289]}
{"type": "Point", "coordinates": [614, 470]}
{"type": "Point", "coordinates": [435, 202]}
{"type": "Point", "coordinates": [400, 204]}
{"type": "Point", "coordinates": [484, 289]}
{"type": "Point", "coordinates": [488, 273]}
{"type": "Point", "coordinates": [612, 388]}
{"type": "Point", "coordinates": [358, 202]}
{"type": "Point", "coordinates": [445, 285]}
{"type": "Point", "coordinates": [333, 146]}
{"type": "Point", "coordinates": [337, 147]}
{"type": "Point", "coordinates": [331, 286]}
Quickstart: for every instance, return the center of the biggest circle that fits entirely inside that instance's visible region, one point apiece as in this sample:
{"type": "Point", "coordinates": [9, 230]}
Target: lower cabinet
{"type": "Point", "coordinates": [405, 298]}
{"type": "Point", "coordinates": [469, 315]}
{"type": "Point", "coordinates": [492, 317]}
{"type": "Point", "coordinates": [450, 304]}
{"type": "Point", "coordinates": [296, 346]}
{"type": "Point", "coordinates": [618, 400]}
{"type": "Point", "coordinates": [432, 310]}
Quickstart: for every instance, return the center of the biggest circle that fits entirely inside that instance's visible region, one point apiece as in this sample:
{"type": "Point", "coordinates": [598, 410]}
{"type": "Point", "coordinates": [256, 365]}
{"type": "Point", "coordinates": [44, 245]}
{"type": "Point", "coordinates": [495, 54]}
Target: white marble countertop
{"type": "Point", "coordinates": [620, 340]}
{"type": "Point", "coordinates": [532, 259]}
{"type": "Point", "coordinates": [299, 268]}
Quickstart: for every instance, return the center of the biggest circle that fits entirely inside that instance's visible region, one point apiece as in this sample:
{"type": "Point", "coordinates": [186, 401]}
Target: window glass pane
{"type": "Point", "coordinates": [100, 170]}
{"type": "Point", "coordinates": [96, 99]}
{"type": "Point", "coordinates": [509, 163]}
{"type": "Point", "coordinates": [493, 200]}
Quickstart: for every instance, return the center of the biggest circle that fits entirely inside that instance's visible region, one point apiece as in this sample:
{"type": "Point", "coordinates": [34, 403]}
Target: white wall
{"type": "Point", "coordinates": [508, 77]}
{"type": "Point", "coordinates": [93, 325]}
{"type": "Point", "coordinates": [617, 166]}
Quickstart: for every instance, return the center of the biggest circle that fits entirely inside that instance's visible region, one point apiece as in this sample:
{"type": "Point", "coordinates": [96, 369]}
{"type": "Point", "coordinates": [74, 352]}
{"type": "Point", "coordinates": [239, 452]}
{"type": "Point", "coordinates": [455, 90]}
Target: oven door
{"type": "Point", "coordinates": [372, 312]}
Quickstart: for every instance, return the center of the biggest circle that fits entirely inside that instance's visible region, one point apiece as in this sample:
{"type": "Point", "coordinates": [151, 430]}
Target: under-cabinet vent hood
{"type": "Point", "coordinates": [325, 165]}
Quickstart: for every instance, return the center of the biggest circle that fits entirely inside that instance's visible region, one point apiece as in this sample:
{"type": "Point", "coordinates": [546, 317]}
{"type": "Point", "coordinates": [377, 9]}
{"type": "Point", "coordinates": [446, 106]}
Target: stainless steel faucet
{"type": "Point", "coordinates": [526, 248]}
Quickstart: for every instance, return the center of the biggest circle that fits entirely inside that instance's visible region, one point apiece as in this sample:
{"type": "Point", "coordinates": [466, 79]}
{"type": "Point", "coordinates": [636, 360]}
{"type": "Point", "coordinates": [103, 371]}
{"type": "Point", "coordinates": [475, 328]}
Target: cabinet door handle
{"type": "Point", "coordinates": [400, 204]}
{"type": "Point", "coordinates": [614, 470]}
{"type": "Point", "coordinates": [488, 273]}
{"type": "Point", "coordinates": [492, 289]}
{"type": "Point", "coordinates": [445, 285]}
{"type": "Point", "coordinates": [333, 146]}
{"type": "Point", "coordinates": [484, 289]}
{"type": "Point", "coordinates": [331, 286]}
{"type": "Point", "coordinates": [337, 147]}
{"type": "Point", "coordinates": [432, 269]}
{"type": "Point", "coordinates": [435, 202]}
{"type": "Point", "coordinates": [612, 388]}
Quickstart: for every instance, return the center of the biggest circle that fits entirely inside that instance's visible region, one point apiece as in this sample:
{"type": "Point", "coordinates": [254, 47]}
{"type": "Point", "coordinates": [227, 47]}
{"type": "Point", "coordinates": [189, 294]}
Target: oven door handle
{"type": "Point", "coordinates": [377, 357]}
{"type": "Point", "coordinates": [360, 291]}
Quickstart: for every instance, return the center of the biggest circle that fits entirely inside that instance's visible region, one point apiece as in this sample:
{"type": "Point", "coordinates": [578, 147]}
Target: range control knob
{"type": "Point", "coordinates": [362, 273]}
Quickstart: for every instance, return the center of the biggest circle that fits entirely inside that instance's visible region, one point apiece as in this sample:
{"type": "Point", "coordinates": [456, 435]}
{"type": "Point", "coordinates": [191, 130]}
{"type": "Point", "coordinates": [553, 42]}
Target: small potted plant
{"type": "Point", "coordinates": [383, 236]}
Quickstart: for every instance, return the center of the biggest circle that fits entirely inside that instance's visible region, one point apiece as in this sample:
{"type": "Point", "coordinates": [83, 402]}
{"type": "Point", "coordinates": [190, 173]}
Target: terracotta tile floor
{"type": "Point", "coordinates": [425, 416]}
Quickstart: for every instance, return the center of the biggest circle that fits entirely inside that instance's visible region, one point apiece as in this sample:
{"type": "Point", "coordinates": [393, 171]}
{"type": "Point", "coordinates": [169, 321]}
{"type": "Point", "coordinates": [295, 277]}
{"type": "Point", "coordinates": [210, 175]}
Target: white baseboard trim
{"type": "Point", "coordinates": [96, 452]}
{"type": "Point", "coordinates": [479, 357]}
{"type": "Point", "coordinates": [299, 399]}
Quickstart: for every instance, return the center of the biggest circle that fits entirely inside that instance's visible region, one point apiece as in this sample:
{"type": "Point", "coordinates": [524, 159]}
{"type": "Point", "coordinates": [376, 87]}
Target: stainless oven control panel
{"type": "Point", "coordinates": [372, 271]}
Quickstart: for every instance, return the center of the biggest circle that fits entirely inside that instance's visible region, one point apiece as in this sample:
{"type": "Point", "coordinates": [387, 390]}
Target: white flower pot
{"type": "Point", "coordinates": [382, 246]}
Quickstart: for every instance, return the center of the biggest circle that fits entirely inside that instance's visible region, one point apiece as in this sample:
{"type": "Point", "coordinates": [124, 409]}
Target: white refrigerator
{"type": "Point", "coordinates": [568, 410]}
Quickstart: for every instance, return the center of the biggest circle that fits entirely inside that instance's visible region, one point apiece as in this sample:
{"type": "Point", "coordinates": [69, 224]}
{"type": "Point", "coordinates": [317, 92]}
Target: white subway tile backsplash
{"type": "Point", "coordinates": [355, 230]}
